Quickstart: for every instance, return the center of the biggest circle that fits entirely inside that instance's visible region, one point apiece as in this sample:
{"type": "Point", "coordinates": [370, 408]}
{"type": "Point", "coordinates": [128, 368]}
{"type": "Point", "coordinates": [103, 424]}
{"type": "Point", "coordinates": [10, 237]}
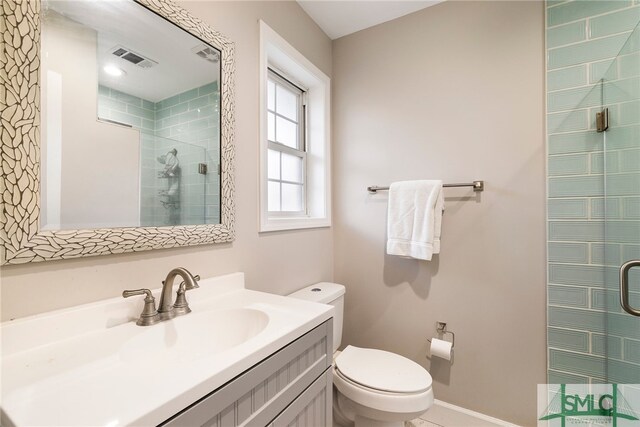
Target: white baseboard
{"type": "Point", "coordinates": [474, 414]}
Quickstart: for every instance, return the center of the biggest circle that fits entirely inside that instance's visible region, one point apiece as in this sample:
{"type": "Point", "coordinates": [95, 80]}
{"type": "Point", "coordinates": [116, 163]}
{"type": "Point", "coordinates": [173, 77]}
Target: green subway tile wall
{"type": "Point", "coordinates": [590, 339]}
{"type": "Point", "coordinates": [584, 52]}
{"type": "Point", "coordinates": [632, 350]}
{"type": "Point", "coordinates": [574, 142]}
{"type": "Point", "coordinates": [567, 78]}
{"type": "Point", "coordinates": [613, 346]}
{"type": "Point", "coordinates": [576, 10]}
{"type": "Point", "coordinates": [606, 254]}
{"type": "Point", "coordinates": [568, 339]}
{"type": "Point", "coordinates": [567, 34]}
{"type": "Point", "coordinates": [556, 377]}
{"type": "Point", "coordinates": [185, 122]}
{"type": "Point", "coordinates": [190, 117]}
{"type": "Point", "coordinates": [577, 253]}
{"type": "Point", "coordinates": [586, 185]}
{"type": "Point", "coordinates": [574, 164]}
{"type": "Point", "coordinates": [601, 208]}
{"type": "Point", "coordinates": [568, 208]}
{"type": "Point", "coordinates": [602, 70]}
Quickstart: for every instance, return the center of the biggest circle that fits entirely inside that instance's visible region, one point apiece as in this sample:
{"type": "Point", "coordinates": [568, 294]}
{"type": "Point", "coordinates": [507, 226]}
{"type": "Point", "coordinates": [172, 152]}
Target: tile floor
{"type": "Point", "coordinates": [440, 416]}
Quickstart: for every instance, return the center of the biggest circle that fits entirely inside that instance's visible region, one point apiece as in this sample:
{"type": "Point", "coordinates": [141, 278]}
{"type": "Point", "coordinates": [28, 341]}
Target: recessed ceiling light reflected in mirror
{"type": "Point", "coordinates": [114, 71]}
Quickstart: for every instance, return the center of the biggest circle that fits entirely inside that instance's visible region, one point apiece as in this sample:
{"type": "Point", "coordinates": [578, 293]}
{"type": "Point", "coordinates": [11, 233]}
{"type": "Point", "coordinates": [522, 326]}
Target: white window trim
{"type": "Point", "coordinates": [277, 53]}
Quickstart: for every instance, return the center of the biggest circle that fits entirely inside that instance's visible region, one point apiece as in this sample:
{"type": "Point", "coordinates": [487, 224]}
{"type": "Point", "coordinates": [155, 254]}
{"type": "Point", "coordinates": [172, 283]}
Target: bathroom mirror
{"type": "Point", "coordinates": [117, 133]}
{"type": "Point", "coordinates": [130, 119]}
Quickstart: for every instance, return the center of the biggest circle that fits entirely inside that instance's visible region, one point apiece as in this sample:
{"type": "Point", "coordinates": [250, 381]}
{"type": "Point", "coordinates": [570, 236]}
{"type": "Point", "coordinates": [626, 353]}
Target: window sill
{"type": "Point", "coordinates": [283, 223]}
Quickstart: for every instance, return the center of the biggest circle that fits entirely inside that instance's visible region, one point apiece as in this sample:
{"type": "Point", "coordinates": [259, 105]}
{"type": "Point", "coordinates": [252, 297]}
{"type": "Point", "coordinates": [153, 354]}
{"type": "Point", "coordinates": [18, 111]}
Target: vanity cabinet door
{"type": "Point", "coordinates": [312, 408]}
{"type": "Point", "coordinates": [260, 394]}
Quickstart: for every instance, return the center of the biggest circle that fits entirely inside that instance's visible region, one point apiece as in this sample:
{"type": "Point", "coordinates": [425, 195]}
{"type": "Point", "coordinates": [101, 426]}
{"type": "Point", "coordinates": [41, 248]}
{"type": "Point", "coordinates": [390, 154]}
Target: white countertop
{"type": "Point", "coordinates": [74, 366]}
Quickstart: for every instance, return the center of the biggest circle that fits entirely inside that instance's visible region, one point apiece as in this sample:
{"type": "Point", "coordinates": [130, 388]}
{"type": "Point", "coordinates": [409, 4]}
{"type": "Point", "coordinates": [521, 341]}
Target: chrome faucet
{"type": "Point", "coordinates": [167, 310]}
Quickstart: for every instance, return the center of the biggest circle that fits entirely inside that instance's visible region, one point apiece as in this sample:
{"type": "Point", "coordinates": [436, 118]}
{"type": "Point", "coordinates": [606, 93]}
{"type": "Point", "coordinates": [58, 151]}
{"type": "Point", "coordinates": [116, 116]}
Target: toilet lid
{"type": "Point", "coordinates": [382, 370]}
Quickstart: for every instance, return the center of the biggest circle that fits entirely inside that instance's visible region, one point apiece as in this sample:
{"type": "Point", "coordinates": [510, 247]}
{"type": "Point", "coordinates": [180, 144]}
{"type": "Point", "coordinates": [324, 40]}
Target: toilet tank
{"type": "Point", "coordinates": [327, 293]}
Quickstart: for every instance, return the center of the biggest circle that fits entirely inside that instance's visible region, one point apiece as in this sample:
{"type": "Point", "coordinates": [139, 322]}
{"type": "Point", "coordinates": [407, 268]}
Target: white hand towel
{"type": "Point", "coordinates": [437, 229]}
{"type": "Point", "coordinates": [414, 218]}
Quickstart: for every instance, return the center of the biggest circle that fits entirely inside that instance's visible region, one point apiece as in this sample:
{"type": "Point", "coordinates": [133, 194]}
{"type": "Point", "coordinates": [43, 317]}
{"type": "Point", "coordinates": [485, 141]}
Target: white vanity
{"type": "Point", "coordinates": [241, 357]}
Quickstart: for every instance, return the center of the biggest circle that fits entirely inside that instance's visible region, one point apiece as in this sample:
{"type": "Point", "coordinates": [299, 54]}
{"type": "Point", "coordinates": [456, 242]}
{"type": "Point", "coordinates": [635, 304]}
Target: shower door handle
{"type": "Point", "coordinates": [624, 286]}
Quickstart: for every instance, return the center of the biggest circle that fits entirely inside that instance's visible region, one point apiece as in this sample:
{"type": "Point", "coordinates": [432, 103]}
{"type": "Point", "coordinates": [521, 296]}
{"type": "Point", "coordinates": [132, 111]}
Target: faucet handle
{"type": "Point", "coordinates": [149, 315]}
{"type": "Point", "coordinates": [181, 305]}
{"type": "Point", "coordinates": [134, 292]}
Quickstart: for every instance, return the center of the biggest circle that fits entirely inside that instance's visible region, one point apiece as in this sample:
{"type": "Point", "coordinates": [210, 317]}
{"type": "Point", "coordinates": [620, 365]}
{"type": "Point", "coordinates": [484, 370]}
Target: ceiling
{"type": "Point", "coordinates": [177, 68]}
{"type": "Point", "coordinates": [339, 18]}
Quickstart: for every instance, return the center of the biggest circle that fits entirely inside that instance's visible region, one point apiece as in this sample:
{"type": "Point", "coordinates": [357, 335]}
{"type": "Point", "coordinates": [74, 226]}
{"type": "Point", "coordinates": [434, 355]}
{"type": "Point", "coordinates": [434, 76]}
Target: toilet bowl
{"type": "Point", "coordinates": [375, 387]}
{"type": "Point", "coordinates": [372, 388]}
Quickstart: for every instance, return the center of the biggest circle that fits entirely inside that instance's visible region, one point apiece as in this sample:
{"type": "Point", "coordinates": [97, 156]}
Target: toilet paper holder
{"type": "Point", "coordinates": [441, 328]}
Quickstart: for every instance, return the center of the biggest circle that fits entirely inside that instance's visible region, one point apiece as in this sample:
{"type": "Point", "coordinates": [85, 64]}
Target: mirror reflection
{"type": "Point", "coordinates": [130, 119]}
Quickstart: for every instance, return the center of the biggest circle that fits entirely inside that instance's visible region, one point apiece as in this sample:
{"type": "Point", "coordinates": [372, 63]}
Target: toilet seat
{"type": "Point", "coordinates": [382, 370]}
{"type": "Point", "coordinates": [374, 386]}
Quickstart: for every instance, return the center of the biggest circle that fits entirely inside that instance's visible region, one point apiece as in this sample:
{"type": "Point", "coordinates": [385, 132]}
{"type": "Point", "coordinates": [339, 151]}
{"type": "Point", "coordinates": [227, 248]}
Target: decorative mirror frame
{"type": "Point", "coordinates": [21, 238]}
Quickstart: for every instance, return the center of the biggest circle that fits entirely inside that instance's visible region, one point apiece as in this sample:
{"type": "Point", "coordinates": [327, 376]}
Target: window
{"type": "Point", "coordinates": [287, 157]}
{"type": "Point", "coordinates": [295, 180]}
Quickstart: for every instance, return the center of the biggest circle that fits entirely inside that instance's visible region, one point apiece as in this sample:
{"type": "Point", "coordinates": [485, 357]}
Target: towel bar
{"type": "Point", "coordinates": [477, 186]}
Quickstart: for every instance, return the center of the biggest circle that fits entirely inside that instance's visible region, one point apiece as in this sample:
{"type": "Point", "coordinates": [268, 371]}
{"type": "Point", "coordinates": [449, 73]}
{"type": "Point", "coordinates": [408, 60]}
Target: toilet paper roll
{"type": "Point", "coordinates": [441, 348]}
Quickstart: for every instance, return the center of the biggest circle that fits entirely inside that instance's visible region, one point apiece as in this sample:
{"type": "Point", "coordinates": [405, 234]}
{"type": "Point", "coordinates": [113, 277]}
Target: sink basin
{"type": "Point", "coordinates": [181, 338]}
{"type": "Point", "coordinates": [92, 365]}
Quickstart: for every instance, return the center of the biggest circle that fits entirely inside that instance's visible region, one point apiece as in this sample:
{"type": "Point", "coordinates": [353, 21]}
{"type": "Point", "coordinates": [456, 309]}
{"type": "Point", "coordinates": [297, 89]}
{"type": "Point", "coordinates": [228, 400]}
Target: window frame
{"type": "Point", "coordinates": [278, 78]}
{"type": "Point", "coordinates": [276, 53]}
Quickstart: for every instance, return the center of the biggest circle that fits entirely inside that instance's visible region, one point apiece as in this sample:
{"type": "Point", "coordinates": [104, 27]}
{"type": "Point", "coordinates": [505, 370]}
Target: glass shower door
{"type": "Point", "coordinates": [621, 206]}
{"type": "Point", "coordinates": [173, 185]}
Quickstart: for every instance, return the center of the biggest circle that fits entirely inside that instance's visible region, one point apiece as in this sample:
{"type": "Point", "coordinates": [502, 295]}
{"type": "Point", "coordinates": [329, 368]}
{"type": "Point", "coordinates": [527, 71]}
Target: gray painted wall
{"type": "Point", "coordinates": [454, 92]}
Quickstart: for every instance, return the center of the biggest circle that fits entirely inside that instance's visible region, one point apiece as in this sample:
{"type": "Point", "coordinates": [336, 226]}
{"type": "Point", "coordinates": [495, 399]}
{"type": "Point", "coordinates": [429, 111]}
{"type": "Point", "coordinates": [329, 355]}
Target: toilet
{"type": "Point", "coordinates": [372, 388]}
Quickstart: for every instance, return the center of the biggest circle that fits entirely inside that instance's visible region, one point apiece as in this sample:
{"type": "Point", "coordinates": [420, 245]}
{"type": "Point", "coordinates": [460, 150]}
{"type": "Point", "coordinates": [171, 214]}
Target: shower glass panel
{"type": "Point", "coordinates": [575, 231]}
{"type": "Point", "coordinates": [173, 185]}
{"type": "Point", "coordinates": [620, 208]}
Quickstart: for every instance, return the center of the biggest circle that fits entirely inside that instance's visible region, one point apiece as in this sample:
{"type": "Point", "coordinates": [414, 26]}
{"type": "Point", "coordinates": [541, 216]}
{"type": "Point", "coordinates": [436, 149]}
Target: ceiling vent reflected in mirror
{"type": "Point", "coordinates": [206, 52]}
{"type": "Point", "coordinates": [134, 58]}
